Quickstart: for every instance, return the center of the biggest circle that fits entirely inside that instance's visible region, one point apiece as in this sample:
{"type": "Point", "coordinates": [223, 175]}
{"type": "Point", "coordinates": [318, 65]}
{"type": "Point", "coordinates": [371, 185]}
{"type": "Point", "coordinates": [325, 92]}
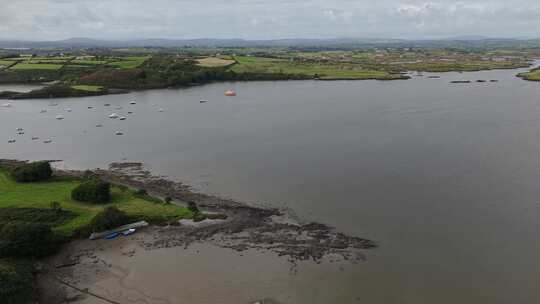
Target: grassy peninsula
{"type": "Point", "coordinates": [89, 72]}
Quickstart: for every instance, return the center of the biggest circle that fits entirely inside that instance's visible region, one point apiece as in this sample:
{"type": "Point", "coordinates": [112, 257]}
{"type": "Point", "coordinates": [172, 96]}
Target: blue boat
{"type": "Point", "coordinates": [111, 236]}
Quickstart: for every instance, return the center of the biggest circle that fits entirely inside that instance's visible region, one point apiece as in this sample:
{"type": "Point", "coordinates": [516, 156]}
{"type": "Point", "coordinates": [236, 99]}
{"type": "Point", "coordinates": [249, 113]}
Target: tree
{"type": "Point", "coordinates": [110, 217]}
{"type": "Point", "coordinates": [32, 172]}
{"type": "Point", "coordinates": [92, 191]}
{"type": "Point", "coordinates": [23, 239]}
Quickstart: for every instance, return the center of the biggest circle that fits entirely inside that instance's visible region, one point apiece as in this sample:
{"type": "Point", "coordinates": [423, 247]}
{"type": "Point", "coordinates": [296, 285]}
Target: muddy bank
{"type": "Point", "coordinates": [123, 271]}
{"type": "Point", "coordinates": [246, 227]}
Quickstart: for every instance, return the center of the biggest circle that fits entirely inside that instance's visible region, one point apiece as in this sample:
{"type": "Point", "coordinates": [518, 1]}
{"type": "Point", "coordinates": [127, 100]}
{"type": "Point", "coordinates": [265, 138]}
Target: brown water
{"type": "Point", "coordinates": [444, 176]}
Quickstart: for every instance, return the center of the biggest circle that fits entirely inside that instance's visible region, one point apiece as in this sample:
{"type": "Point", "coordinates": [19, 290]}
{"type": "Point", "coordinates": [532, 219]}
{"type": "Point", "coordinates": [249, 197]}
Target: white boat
{"type": "Point", "coordinates": [118, 108]}
{"type": "Point", "coordinates": [132, 102]}
{"type": "Point", "coordinates": [160, 110]}
{"type": "Point", "coordinates": [43, 111]}
{"type": "Point", "coordinates": [118, 133]}
{"type": "Point", "coordinates": [99, 126]}
{"type": "Point", "coordinates": [20, 129]}
{"type": "Point", "coordinates": [129, 231]}
{"type": "Point", "coordinates": [68, 109]}
{"type": "Point", "coordinates": [203, 101]}
{"type": "Point", "coordinates": [6, 105]}
{"type": "Point", "coordinates": [113, 115]}
{"type": "Point", "coordinates": [11, 141]}
{"type": "Point", "coordinates": [48, 141]}
{"type": "Point", "coordinates": [59, 117]}
{"type": "Point", "coordinates": [35, 138]}
{"type": "Point", "coordinates": [123, 118]}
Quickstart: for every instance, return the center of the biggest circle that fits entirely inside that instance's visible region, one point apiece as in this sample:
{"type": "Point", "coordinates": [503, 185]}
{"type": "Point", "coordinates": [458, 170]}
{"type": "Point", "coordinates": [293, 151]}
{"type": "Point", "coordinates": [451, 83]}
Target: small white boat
{"type": "Point", "coordinates": [68, 109]}
{"type": "Point", "coordinates": [129, 231]}
{"type": "Point", "coordinates": [160, 110]}
{"type": "Point", "coordinates": [203, 101]}
{"type": "Point", "coordinates": [11, 141]}
{"type": "Point", "coordinates": [130, 112]}
{"type": "Point", "coordinates": [59, 117]}
{"type": "Point", "coordinates": [48, 141]}
{"type": "Point", "coordinates": [132, 102]}
{"type": "Point", "coordinates": [107, 104]}
{"type": "Point", "coordinates": [118, 133]}
{"type": "Point", "coordinates": [53, 104]}
{"type": "Point", "coordinates": [118, 108]}
{"type": "Point", "coordinates": [113, 115]}
{"type": "Point", "coordinates": [35, 138]}
{"type": "Point", "coordinates": [123, 118]}
{"type": "Point", "coordinates": [20, 132]}
{"type": "Point", "coordinates": [90, 107]}
{"type": "Point", "coordinates": [43, 111]}
{"type": "Point", "coordinates": [20, 129]}
{"type": "Point", "coordinates": [99, 126]}
{"type": "Point", "coordinates": [6, 105]}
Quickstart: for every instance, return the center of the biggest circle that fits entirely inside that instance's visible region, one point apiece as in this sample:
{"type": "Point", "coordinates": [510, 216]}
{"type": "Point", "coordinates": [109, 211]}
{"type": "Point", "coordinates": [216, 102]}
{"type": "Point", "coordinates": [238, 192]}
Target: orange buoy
{"type": "Point", "coordinates": [230, 93]}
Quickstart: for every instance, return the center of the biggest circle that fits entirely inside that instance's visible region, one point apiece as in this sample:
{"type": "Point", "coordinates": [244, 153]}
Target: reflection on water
{"type": "Point", "coordinates": [444, 176]}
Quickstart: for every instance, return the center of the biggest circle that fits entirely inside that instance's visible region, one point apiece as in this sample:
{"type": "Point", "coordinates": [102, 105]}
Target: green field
{"type": "Point", "coordinates": [212, 62]}
{"type": "Point", "coordinates": [5, 62]}
{"type": "Point", "coordinates": [36, 66]}
{"type": "Point", "coordinates": [89, 88]}
{"type": "Point", "coordinates": [88, 62]}
{"type": "Point", "coordinates": [129, 62]}
{"type": "Point", "coordinates": [533, 75]}
{"type": "Point", "coordinates": [334, 70]}
{"type": "Point", "coordinates": [41, 194]}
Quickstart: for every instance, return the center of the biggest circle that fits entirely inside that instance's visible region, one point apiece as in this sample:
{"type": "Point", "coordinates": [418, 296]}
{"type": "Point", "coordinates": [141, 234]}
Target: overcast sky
{"type": "Point", "coordinates": [267, 19]}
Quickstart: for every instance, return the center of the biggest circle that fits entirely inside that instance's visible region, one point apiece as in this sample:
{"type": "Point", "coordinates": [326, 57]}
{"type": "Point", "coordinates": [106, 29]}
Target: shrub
{"type": "Point", "coordinates": [15, 281]}
{"type": "Point", "coordinates": [192, 206]}
{"type": "Point", "coordinates": [109, 218]}
{"type": "Point", "coordinates": [93, 191]}
{"type": "Point", "coordinates": [198, 217]}
{"type": "Point", "coordinates": [141, 192]}
{"type": "Point", "coordinates": [32, 172]}
{"type": "Point", "coordinates": [23, 239]}
{"type": "Point", "coordinates": [56, 207]}
{"type": "Point", "coordinates": [168, 200]}
{"type": "Point", "coordinates": [37, 215]}
{"type": "Point", "coordinates": [216, 216]}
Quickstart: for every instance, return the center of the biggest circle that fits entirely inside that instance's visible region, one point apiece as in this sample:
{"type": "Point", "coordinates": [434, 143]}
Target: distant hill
{"type": "Point", "coordinates": [462, 41]}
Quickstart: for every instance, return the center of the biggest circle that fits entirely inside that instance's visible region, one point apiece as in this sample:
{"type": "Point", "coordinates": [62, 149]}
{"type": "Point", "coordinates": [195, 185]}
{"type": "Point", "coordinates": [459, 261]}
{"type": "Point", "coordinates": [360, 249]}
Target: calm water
{"type": "Point", "coordinates": [444, 176]}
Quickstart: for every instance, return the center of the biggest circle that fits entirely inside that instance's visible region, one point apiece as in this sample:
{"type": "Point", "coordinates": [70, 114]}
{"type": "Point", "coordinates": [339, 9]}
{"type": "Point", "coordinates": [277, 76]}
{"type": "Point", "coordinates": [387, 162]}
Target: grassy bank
{"type": "Point", "coordinates": [532, 75]}
{"type": "Point", "coordinates": [41, 194]}
{"type": "Point", "coordinates": [322, 70]}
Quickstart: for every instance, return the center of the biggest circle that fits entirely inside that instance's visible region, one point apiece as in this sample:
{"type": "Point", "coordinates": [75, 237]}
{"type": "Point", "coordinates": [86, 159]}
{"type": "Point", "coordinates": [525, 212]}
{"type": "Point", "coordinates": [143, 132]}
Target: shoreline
{"type": "Point", "coordinates": [247, 229]}
{"type": "Point", "coordinates": [37, 94]}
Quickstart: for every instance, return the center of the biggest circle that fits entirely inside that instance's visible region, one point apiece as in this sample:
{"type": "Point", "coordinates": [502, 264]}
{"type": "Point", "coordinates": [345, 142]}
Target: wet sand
{"type": "Point", "coordinates": [123, 271]}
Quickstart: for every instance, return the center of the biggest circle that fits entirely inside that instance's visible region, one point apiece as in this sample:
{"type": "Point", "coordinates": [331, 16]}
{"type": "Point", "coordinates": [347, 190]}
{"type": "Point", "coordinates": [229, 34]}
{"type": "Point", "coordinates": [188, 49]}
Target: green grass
{"type": "Point", "coordinates": [6, 62]}
{"type": "Point", "coordinates": [533, 75]}
{"type": "Point", "coordinates": [212, 62]}
{"type": "Point", "coordinates": [129, 62]}
{"type": "Point", "coordinates": [334, 70]}
{"type": "Point", "coordinates": [88, 88]}
{"type": "Point", "coordinates": [41, 194]}
{"type": "Point", "coordinates": [88, 62]}
{"type": "Point", "coordinates": [36, 66]}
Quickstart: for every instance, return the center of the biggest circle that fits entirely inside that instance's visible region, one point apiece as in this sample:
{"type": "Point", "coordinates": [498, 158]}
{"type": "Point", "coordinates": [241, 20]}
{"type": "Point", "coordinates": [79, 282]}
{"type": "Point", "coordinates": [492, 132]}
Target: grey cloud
{"type": "Point", "coordinates": [262, 19]}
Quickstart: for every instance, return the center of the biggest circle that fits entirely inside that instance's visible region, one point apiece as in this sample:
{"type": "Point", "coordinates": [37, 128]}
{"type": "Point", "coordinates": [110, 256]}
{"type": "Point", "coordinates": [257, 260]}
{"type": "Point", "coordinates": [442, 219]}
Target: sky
{"type": "Point", "coordinates": [267, 19]}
